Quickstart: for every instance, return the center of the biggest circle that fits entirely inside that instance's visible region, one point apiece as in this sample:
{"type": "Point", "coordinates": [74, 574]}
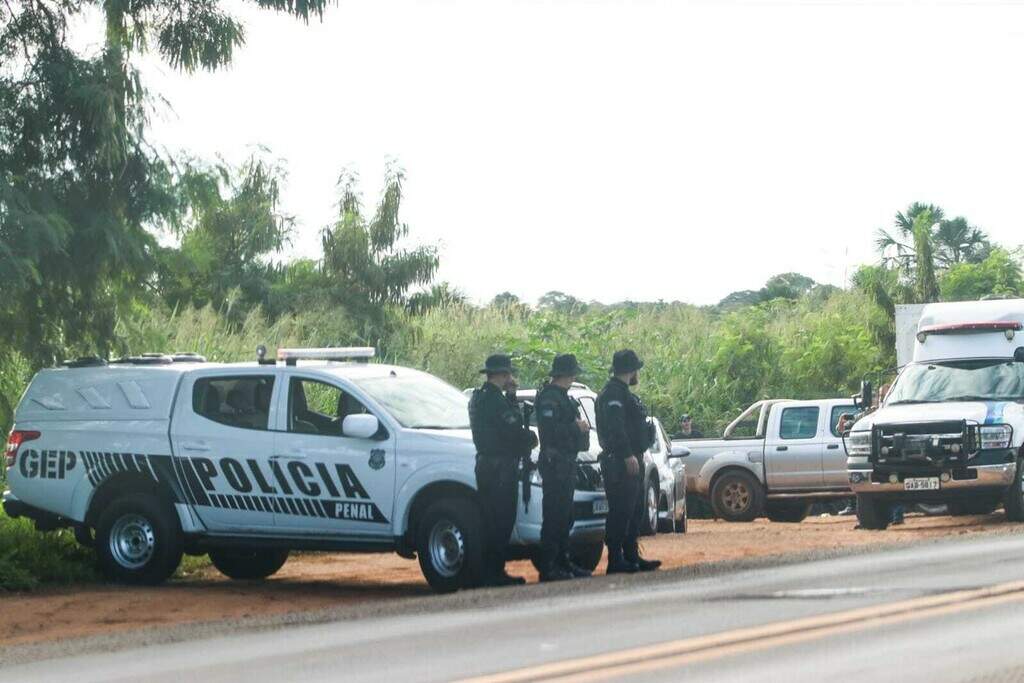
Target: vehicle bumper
{"type": "Point", "coordinates": [45, 521]}
{"type": "Point", "coordinates": [589, 525]}
{"type": "Point", "coordinates": [993, 478]}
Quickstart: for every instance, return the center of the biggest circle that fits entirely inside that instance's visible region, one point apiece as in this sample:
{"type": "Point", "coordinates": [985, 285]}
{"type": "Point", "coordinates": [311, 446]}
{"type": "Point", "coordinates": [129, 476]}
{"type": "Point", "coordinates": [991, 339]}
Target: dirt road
{"type": "Point", "coordinates": [312, 581]}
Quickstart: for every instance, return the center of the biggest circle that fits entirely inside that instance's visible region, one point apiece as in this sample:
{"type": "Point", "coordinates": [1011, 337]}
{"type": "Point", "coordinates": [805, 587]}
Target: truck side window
{"type": "Point", "coordinates": [838, 412]}
{"type": "Point", "coordinates": [316, 407]}
{"type": "Point", "coordinates": [240, 401]}
{"type": "Point", "coordinates": [799, 423]}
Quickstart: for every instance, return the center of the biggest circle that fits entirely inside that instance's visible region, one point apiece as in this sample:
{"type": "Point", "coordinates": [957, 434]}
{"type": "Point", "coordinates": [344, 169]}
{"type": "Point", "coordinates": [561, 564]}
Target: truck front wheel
{"type": "Point", "coordinates": [873, 513]}
{"type": "Point", "coordinates": [242, 564]}
{"type": "Point", "coordinates": [1014, 503]}
{"type": "Point", "coordinates": [790, 513]}
{"type": "Point", "coordinates": [449, 543]}
{"type": "Point", "coordinates": [138, 539]}
{"type": "Point", "coordinates": [737, 497]}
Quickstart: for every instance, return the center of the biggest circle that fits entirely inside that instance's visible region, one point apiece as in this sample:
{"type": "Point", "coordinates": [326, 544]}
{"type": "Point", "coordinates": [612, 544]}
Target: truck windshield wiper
{"type": "Point", "coordinates": [971, 397]}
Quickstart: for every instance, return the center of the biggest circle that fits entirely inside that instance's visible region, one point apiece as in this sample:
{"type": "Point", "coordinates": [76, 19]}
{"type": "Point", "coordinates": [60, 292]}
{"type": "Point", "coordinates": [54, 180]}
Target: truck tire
{"type": "Point", "coordinates": [652, 499]}
{"type": "Point", "coordinates": [138, 539]}
{"type": "Point", "coordinates": [682, 525]}
{"type": "Point", "coordinates": [246, 564]}
{"type": "Point", "coordinates": [873, 513]}
{"type": "Point", "coordinates": [449, 543]}
{"type": "Point", "coordinates": [1014, 501]}
{"type": "Point", "coordinates": [737, 496]}
{"type": "Point", "coordinates": [788, 513]}
{"type": "Point", "coordinates": [972, 506]}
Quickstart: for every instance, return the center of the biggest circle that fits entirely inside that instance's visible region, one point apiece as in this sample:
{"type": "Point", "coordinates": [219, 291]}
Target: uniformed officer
{"type": "Point", "coordinates": [625, 433]}
{"type": "Point", "coordinates": [563, 434]}
{"type": "Point", "coordinates": [501, 439]}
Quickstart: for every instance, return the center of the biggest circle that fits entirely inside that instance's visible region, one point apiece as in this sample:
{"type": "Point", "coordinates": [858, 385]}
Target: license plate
{"type": "Point", "coordinates": [600, 507]}
{"type": "Point", "coordinates": [921, 484]}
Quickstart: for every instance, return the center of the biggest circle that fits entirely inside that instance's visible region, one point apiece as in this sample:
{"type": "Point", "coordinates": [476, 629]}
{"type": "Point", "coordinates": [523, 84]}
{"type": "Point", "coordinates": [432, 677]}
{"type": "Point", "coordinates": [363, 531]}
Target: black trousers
{"type": "Point", "coordinates": [496, 483]}
{"type": "Point", "coordinates": [559, 485]}
{"type": "Point", "coordinates": [625, 505]}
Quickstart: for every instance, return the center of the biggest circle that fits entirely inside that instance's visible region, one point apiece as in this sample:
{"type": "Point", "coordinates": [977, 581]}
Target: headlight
{"type": "Point", "coordinates": [535, 478]}
{"type": "Point", "coordinates": [996, 436]}
{"type": "Point", "coordinates": [858, 444]}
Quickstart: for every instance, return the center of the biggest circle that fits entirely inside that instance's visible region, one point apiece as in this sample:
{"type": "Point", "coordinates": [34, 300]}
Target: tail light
{"type": "Point", "coordinates": [14, 441]}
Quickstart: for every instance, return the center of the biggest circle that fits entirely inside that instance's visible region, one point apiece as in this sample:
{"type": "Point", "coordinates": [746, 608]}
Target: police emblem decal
{"type": "Point", "coordinates": [376, 459]}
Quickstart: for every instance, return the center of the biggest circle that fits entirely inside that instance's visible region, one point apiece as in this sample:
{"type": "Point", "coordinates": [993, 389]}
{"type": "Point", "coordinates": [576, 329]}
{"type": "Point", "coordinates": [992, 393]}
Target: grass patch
{"type": "Point", "coordinates": [30, 559]}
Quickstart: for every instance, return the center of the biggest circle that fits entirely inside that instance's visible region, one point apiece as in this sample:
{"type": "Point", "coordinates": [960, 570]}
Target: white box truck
{"type": "Point", "coordinates": [950, 428]}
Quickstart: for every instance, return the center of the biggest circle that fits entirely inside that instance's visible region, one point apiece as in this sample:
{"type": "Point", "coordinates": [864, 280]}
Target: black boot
{"type": "Point", "coordinates": [632, 554]}
{"type": "Point", "coordinates": [555, 572]}
{"type": "Point", "coordinates": [571, 567]}
{"type": "Point", "coordinates": [503, 579]}
{"type": "Point", "coordinates": [618, 564]}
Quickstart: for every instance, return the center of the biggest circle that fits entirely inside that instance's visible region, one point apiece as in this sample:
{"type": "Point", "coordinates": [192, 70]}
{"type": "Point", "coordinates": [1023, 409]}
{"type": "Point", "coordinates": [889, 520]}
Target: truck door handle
{"type": "Point", "coordinates": [832, 446]}
{"type": "Point", "coordinates": [782, 448]}
{"type": "Point", "coordinates": [294, 455]}
{"type": "Point", "coordinates": [194, 446]}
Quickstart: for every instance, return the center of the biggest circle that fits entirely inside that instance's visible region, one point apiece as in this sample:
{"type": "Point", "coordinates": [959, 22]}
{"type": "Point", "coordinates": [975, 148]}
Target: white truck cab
{"type": "Point", "coordinates": [317, 450]}
{"type": "Point", "coordinates": [950, 428]}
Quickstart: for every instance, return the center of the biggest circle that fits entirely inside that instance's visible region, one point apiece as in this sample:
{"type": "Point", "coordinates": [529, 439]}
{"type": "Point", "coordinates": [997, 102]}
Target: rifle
{"type": "Point", "coordinates": [526, 464]}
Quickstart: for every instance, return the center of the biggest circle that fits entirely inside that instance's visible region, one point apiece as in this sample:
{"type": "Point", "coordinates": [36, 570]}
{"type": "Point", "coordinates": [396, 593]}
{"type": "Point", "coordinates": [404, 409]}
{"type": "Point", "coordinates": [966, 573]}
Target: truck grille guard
{"type": "Point", "coordinates": [588, 477]}
{"type": "Point", "coordinates": [945, 443]}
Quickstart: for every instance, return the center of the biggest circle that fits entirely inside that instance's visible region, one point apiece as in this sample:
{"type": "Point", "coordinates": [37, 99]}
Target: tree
{"type": "Point", "coordinates": [81, 191]}
{"type": "Point", "coordinates": [560, 302]}
{"type": "Point", "coordinates": [363, 265]}
{"type": "Point", "coordinates": [787, 286]}
{"type": "Point", "coordinates": [953, 240]}
{"type": "Point", "coordinates": [926, 285]}
{"type": "Point", "coordinates": [438, 296]}
{"type": "Point", "coordinates": [505, 299]}
{"type": "Point", "coordinates": [998, 276]}
{"type": "Point", "coordinates": [232, 227]}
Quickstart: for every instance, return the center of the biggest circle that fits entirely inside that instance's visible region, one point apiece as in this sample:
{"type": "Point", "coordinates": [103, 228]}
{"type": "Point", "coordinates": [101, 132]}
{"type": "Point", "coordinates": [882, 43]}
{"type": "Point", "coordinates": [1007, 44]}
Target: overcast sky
{"type": "Point", "coordinates": [629, 150]}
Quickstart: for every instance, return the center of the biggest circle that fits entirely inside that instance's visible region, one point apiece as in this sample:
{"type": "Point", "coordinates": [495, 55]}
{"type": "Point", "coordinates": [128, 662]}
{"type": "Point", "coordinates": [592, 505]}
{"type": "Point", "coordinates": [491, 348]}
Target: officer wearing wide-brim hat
{"type": "Point", "coordinates": [624, 432]}
{"type": "Point", "coordinates": [501, 439]}
{"type": "Point", "coordinates": [563, 434]}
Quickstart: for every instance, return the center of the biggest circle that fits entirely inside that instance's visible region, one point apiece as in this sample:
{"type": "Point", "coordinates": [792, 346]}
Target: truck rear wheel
{"type": "Point", "coordinates": [243, 564]}
{"type": "Point", "coordinates": [873, 513]}
{"type": "Point", "coordinates": [449, 543]}
{"type": "Point", "coordinates": [790, 513]}
{"type": "Point", "coordinates": [1014, 502]}
{"type": "Point", "coordinates": [138, 539]}
{"type": "Point", "coordinates": [737, 497]}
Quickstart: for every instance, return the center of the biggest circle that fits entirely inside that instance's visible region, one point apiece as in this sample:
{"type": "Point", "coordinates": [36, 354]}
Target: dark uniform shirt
{"type": "Point", "coordinates": [622, 426]}
{"type": "Point", "coordinates": [497, 425]}
{"type": "Point", "coordinates": [556, 422]}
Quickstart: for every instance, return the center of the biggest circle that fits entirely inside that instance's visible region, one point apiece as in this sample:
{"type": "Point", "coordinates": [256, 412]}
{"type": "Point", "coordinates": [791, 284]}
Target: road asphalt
{"type": "Point", "coordinates": [947, 611]}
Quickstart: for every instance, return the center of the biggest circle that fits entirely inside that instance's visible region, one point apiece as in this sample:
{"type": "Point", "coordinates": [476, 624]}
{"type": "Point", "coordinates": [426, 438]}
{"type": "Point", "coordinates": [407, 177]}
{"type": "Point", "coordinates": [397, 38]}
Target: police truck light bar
{"type": "Point", "coordinates": [1008, 327]}
{"type": "Point", "coordinates": [339, 353]}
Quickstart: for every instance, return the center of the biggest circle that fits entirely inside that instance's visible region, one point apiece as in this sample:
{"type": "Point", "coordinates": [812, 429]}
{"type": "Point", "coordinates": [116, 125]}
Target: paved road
{"type": "Point", "coordinates": [952, 611]}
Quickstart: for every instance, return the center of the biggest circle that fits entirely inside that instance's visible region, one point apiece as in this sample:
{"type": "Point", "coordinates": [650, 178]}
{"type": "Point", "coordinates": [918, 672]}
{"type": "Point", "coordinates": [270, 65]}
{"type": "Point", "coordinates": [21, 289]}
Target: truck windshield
{"type": "Point", "coordinates": [962, 380]}
{"type": "Point", "coordinates": [419, 401]}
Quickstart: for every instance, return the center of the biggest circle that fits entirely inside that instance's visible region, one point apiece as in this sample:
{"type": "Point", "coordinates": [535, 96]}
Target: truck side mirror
{"type": "Point", "coordinates": [1018, 355]}
{"type": "Point", "coordinates": [679, 451]}
{"type": "Point", "coordinates": [867, 394]}
{"type": "Point", "coordinates": [360, 426]}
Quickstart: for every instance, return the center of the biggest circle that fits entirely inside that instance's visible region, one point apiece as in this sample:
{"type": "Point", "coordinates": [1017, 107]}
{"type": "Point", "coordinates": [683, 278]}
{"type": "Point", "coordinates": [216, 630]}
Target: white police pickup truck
{"type": "Point", "coordinates": [155, 456]}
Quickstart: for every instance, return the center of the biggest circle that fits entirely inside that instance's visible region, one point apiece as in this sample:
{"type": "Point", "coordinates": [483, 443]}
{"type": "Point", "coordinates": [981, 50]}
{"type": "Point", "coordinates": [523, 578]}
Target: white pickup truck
{"type": "Point", "coordinates": [775, 459]}
{"type": "Point", "coordinates": [247, 461]}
